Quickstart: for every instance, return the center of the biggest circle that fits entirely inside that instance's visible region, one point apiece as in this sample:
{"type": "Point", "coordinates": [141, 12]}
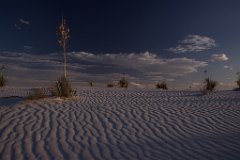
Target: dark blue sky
{"type": "Point", "coordinates": [118, 26]}
{"type": "Point", "coordinates": [128, 26]}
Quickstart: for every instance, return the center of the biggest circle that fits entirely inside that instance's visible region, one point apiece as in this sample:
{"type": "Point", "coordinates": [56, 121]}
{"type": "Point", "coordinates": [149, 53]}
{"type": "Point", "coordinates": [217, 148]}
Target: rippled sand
{"type": "Point", "coordinates": [107, 124]}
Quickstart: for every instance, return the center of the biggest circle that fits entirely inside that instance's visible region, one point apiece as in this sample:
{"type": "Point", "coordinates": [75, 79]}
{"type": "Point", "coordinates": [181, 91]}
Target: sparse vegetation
{"type": "Point", "coordinates": [62, 88]}
{"type": "Point", "coordinates": [91, 84]}
{"type": "Point", "coordinates": [123, 83]}
{"type": "Point", "coordinates": [37, 93]}
{"type": "Point", "coordinates": [2, 78]}
{"type": "Point", "coordinates": [238, 80]}
{"type": "Point", "coordinates": [162, 85]}
{"type": "Point", "coordinates": [110, 85]}
{"type": "Point", "coordinates": [209, 85]}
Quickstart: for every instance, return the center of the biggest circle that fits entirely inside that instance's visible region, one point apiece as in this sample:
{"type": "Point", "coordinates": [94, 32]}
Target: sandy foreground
{"type": "Point", "coordinates": [108, 124]}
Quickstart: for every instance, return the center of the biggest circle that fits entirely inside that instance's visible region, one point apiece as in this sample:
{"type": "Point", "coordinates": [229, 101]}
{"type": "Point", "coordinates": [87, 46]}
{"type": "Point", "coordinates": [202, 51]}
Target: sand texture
{"type": "Point", "coordinates": [109, 124]}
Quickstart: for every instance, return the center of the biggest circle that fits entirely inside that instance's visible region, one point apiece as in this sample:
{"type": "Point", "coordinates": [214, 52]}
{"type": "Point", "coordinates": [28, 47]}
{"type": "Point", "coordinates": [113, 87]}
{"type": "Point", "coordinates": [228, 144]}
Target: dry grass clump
{"type": "Point", "coordinates": [123, 83]}
{"type": "Point", "coordinates": [2, 81]}
{"type": "Point", "coordinates": [238, 80]}
{"type": "Point", "coordinates": [162, 85]}
{"type": "Point", "coordinates": [209, 85]}
{"type": "Point", "coordinates": [110, 85]}
{"type": "Point", "coordinates": [2, 78]}
{"type": "Point", "coordinates": [37, 93]}
{"type": "Point", "coordinates": [62, 88]}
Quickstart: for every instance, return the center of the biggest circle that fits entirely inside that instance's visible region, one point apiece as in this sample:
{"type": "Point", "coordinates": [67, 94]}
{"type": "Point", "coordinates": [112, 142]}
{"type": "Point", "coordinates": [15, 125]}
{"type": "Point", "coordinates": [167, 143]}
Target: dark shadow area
{"type": "Point", "coordinates": [10, 101]}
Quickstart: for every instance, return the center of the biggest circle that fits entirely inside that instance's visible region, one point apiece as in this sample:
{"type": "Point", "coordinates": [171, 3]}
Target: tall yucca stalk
{"type": "Point", "coordinates": [63, 33]}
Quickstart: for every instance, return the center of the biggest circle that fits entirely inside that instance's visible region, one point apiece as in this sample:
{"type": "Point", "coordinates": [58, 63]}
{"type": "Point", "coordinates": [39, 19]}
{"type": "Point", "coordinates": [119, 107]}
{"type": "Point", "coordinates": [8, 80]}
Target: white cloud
{"type": "Point", "coordinates": [219, 57]}
{"type": "Point", "coordinates": [24, 21]}
{"type": "Point", "coordinates": [194, 43]}
{"type": "Point", "coordinates": [142, 68]}
{"type": "Point", "coordinates": [228, 67]}
{"type": "Point", "coordinates": [143, 62]}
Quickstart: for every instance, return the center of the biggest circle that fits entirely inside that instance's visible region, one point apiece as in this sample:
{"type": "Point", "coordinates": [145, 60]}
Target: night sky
{"type": "Point", "coordinates": [150, 41]}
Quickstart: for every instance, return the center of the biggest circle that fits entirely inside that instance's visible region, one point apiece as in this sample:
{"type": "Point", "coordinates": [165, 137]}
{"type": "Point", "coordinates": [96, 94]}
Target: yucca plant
{"type": "Point", "coordinates": [2, 78]}
{"type": "Point", "coordinates": [162, 85]}
{"type": "Point", "coordinates": [238, 80]}
{"type": "Point", "coordinates": [62, 88]}
{"type": "Point", "coordinates": [209, 85]}
{"type": "Point", "coordinates": [123, 83]}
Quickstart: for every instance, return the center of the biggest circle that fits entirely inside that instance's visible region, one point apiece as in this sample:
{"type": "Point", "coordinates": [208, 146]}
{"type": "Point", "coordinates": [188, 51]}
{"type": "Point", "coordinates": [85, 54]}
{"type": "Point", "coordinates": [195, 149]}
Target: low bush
{"type": "Point", "coordinates": [62, 88]}
{"type": "Point", "coordinates": [110, 85]}
{"type": "Point", "coordinates": [238, 82]}
{"type": "Point", "coordinates": [123, 83]}
{"type": "Point", "coordinates": [209, 85]}
{"type": "Point", "coordinates": [162, 85]}
{"type": "Point", "coordinates": [2, 81]}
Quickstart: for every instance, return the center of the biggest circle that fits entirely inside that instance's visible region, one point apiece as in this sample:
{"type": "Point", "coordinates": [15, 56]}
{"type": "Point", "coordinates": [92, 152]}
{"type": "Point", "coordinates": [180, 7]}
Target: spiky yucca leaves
{"type": "Point", "coordinates": [238, 82]}
{"type": "Point", "coordinates": [62, 88]}
{"type": "Point", "coordinates": [2, 81]}
{"type": "Point", "coordinates": [123, 83]}
{"type": "Point", "coordinates": [209, 85]}
{"type": "Point", "coordinates": [162, 85]}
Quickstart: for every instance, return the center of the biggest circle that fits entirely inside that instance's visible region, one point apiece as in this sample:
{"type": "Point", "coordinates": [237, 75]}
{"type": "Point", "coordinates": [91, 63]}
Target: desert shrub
{"type": "Point", "coordinates": [238, 82]}
{"type": "Point", "coordinates": [2, 81]}
{"type": "Point", "coordinates": [162, 85]}
{"type": "Point", "coordinates": [62, 88]}
{"type": "Point", "coordinates": [123, 83]}
{"type": "Point", "coordinates": [209, 85]}
{"type": "Point", "coordinates": [37, 93]}
{"type": "Point", "coordinates": [110, 85]}
{"type": "Point", "coordinates": [90, 84]}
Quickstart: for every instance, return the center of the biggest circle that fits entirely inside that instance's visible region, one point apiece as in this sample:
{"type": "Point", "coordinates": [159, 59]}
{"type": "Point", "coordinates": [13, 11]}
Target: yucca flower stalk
{"type": "Point", "coordinates": [63, 33]}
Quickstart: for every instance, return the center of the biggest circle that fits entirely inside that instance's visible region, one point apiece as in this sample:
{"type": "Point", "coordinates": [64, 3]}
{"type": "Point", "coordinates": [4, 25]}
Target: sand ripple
{"type": "Point", "coordinates": [106, 124]}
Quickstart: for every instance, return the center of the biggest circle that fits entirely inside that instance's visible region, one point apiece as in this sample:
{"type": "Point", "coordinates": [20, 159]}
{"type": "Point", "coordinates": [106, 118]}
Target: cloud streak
{"type": "Point", "coordinates": [194, 43]}
{"type": "Point", "coordinates": [25, 22]}
{"type": "Point", "coordinates": [140, 68]}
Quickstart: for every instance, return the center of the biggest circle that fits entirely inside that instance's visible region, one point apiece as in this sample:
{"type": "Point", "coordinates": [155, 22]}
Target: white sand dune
{"type": "Point", "coordinates": [122, 124]}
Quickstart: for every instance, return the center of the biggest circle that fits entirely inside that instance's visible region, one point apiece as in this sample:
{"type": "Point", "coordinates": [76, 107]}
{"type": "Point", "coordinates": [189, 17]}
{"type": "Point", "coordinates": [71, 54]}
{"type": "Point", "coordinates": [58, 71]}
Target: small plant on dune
{"type": "Point", "coordinates": [162, 85]}
{"type": "Point", "coordinates": [62, 88]}
{"type": "Point", "coordinates": [90, 84]}
{"type": "Point", "coordinates": [238, 80]}
{"type": "Point", "coordinates": [2, 78]}
{"type": "Point", "coordinates": [110, 85]}
{"type": "Point", "coordinates": [209, 84]}
{"type": "Point", "coordinates": [37, 93]}
{"type": "Point", "coordinates": [123, 83]}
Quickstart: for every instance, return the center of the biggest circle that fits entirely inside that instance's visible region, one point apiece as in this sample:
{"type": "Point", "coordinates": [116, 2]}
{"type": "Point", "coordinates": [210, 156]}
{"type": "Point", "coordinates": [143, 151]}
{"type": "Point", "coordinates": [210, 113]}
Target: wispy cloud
{"type": "Point", "coordinates": [17, 27]}
{"type": "Point", "coordinates": [228, 67]}
{"type": "Point", "coordinates": [194, 43]}
{"type": "Point", "coordinates": [27, 48]}
{"type": "Point", "coordinates": [24, 21]}
{"type": "Point", "coordinates": [219, 57]}
{"type": "Point", "coordinates": [140, 68]}
{"type": "Point", "coordinates": [21, 23]}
